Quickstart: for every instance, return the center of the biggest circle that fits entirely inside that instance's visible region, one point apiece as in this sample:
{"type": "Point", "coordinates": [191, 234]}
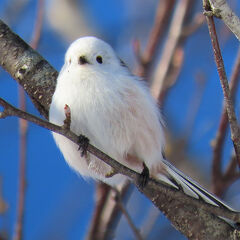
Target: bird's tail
{"type": "Point", "coordinates": [178, 179]}
{"type": "Point", "coordinates": [190, 187]}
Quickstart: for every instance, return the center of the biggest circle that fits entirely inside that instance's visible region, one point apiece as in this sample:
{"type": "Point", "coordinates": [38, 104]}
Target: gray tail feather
{"type": "Point", "coordinates": [179, 180]}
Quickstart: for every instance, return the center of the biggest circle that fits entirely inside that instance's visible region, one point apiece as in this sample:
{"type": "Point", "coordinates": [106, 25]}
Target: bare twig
{"type": "Point", "coordinates": [162, 17]}
{"type": "Point", "coordinates": [173, 54]}
{"type": "Point", "coordinates": [127, 216]}
{"type": "Point", "coordinates": [23, 126]}
{"type": "Point", "coordinates": [192, 27]}
{"type": "Point", "coordinates": [175, 34]}
{"type": "Point", "coordinates": [153, 187]}
{"type": "Point", "coordinates": [218, 178]}
{"type": "Point", "coordinates": [220, 9]}
{"type": "Point", "coordinates": [107, 213]}
{"type": "Point", "coordinates": [9, 110]}
{"type": "Point", "coordinates": [38, 25]}
{"type": "Point", "coordinates": [164, 11]}
{"type": "Point", "coordinates": [235, 132]}
{"type": "Point", "coordinates": [102, 193]}
{"type": "Point", "coordinates": [185, 213]}
{"type": "Point", "coordinates": [3, 203]}
{"type": "Point", "coordinates": [112, 213]}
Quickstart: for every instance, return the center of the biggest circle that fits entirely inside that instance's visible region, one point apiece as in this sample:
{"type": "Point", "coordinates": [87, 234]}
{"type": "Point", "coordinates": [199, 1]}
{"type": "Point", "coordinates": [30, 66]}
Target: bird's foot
{"type": "Point", "coordinates": [83, 143]}
{"type": "Point", "coordinates": [143, 177]}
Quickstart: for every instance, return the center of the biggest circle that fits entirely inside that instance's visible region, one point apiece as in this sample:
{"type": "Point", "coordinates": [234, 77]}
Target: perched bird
{"type": "Point", "coordinates": [114, 109]}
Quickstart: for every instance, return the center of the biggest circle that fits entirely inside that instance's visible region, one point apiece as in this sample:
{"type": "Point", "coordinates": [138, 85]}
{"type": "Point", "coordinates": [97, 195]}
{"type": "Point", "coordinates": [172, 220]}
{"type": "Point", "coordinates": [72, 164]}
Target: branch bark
{"type": "Point", "coordinates": [194, 218]}
{"type": "Point", "coordinates": [221, 9]}
{"type": "Point", "coordinates": [175, 204]}
{"type": "Point", "coordinates": [28, 68]}
{"type": "Point", "coordinates": [235, 131]}
{"type": "Point", "coordinates": [221, 180]}
{"type": "Point", "coordinates": [158, 86]}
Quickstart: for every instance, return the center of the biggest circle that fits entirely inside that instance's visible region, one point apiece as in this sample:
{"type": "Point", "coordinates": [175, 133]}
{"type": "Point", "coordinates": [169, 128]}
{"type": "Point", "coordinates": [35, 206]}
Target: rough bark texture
{"type": "Point", "coordinates": [38, 78]}
{"type": "Point", "coordinates": [28, 67]}
{"type": "Point", "coordinates": [222, 10]}
{"type": "Point", "coordinates": [191, 220]}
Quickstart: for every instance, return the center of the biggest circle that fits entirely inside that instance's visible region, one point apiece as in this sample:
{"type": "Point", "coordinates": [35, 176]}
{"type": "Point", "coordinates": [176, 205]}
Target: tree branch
{"type": "Point", "coordinates": [175, 204]}
{"type": "Point", "coordinates": [220, 179]}
{"type": "Point", "coordinates": [158, 87]}
{"type": "Point", "coordinates": [194, 218]}
{"type": "Point", "coordinates": [221, 9]}
{"type": "Point", "coordinates": [235, 132]}
{"type": "Point", "coordinates": [23, 127]}
{"type": "Point", "coordinates": [163, 14]}
{"type": "Point", "coordinates": [28, 68]}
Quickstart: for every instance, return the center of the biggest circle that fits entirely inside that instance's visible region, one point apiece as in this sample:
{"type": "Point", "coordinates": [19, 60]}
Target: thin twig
{"type": "Point", "coordinates": [153, 187]}
{"type": "Point", "coordinates": [193, 26]}
{"type": "Point", "coordinates": [175, 34]}
{"type": "Point", "coordinates": [40, 85]}
{"type": "Point", "coordinates": [38, 25]}
{"type": "Point", "coordinates": [23, 127]}
{"type": "Point", "coordinates": [217, 144]}
{"type": "Point", "coordinates": [127, 216]}
{"type": "Point", "coordinates": [163, 14]}
{"type": "Point", "coordinates": [101, 195]}
{"type": "Point", "coordinates": [3, 203]}
{"type": "Point", "coordinates": [235, 132]}
{"type": "Point", "coordinates": [9, 110]}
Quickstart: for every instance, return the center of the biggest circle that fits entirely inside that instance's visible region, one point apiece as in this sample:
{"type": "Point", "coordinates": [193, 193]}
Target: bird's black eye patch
{"type": "Point", "coordinates": [99, 59]}
{"type": "Point", "coordinates": [82, 60]}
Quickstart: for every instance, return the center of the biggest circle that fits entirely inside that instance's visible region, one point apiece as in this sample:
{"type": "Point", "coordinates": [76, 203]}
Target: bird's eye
{"type": "Point", "coordinates": [82, 60]}
{"type": "Point", "coordinates": [99, 59]}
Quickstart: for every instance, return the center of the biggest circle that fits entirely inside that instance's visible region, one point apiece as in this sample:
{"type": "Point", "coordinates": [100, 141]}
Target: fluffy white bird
{"type": "Point", "coordinates": [116, 112]}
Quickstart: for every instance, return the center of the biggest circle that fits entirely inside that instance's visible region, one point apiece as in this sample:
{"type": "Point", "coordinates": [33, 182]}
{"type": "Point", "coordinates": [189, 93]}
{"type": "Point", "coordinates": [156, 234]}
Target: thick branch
{"type": "Point", "coordinates": [28, 68]}
{"type": "Point", "coordinates": [194, 218]}
{"type": "Point", "coordinates": [175, 204]}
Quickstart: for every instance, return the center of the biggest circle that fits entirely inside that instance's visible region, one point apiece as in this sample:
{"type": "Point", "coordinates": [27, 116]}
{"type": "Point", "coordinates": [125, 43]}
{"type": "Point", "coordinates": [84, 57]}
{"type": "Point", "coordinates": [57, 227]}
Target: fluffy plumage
{"type": "Point", "coordinates": [110, 106]}
{"type": "Point", "coordinates": [116, 111]}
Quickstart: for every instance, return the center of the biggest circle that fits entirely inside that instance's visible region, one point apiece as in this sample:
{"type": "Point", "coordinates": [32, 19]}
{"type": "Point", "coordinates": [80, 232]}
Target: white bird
{"type": "Point", "coordinates": [114, 109]}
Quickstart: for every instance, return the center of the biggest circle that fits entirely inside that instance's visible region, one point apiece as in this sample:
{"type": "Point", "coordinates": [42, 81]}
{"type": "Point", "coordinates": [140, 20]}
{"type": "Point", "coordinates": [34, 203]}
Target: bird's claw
{"type": "Point", "coordinates": [83, 143]}
{"type": "Point", "coordinates": [143, 177]}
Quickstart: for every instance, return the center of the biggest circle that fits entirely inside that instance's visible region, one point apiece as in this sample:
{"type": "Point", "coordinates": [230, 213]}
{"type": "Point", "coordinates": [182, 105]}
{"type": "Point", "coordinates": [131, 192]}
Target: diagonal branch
{"type": "Point", "coordinates": [28, 68]}
{"type": "Point", "coordinates": [159, 193]}
{"type": "Point", "coordinates": [111, 215]}
{"type": "Point", "coordinates": [194, 218]}
{"type": "Point", "coordinates": [173, 42]}
{"type": "Point", "coordinates": [163, 14]}
{"type": "Point", "coordinates": [235, 132]}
